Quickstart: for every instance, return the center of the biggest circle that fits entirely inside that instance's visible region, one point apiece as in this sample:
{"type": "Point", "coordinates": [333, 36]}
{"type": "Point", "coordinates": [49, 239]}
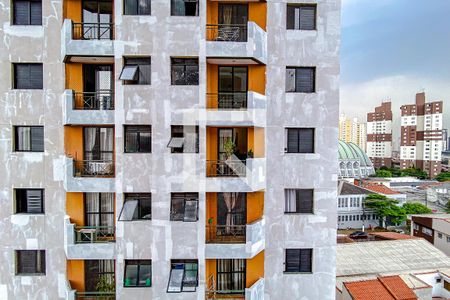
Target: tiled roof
{"type": "Point", "coordinates": [382, 288]}
{"type": "Point", "coordinates": [392, 235]}
{"type": "Point", "coordinates": [381, 189]}
{"type": "Point", "coordinates": [346, 188]}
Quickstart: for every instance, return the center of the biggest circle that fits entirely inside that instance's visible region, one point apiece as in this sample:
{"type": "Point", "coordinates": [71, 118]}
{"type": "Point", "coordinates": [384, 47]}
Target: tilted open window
{"type": "Point", "coordinates": [183, 276]}
{"type": "Point", "coordinates": [137, 206]}
{"type": "Point", "coordinates": [184, 139]}
{"type": "Point", "coordinates": [184, 207]}
{"type": "Point", "coordinates": [136, 70]}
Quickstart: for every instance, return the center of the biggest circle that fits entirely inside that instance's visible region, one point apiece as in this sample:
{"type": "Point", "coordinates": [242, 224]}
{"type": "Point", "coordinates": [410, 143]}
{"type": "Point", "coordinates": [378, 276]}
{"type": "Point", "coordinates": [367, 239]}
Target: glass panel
{"type": "Point", "coordinates": [131, 275]}
{"type": "Point", "coordinates": [129, 73]}
{"type": "Point", "coordinates": [176, 142]}
{"type": "Point", "coordinates": [145, 275]}
{"type": "Point", "coordinates": [290, 80]}
{"type": "Point", "coordinates": [225, 79]}
{"type": "Point", "coordinates": [129, 211]}
{"type": "Point", "coordinates": [175, 281]}
{"type": "Point", "coordinates": [190, 211]}
{"type": "Point", "coordinates": [240, 79]}
{"type": "Point", "coordinates": [145, 209]}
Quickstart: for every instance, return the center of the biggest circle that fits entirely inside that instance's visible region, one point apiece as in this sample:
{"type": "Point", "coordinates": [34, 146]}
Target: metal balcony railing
{"type": "Point", "coordinates": [227, 100]}
{"type": "Point", "coordinates": [226, 32]}
{"type": "Point", "coordinates": [225, 233]}
{"type": "Point", "coordinates": [94, 234]}
{"type": "Point", "coordinates": [103, 100]}
{"type": "Point", "coordinates": [93, 168]}
{"type": "Point", "coordinates": [95, 295]}
{"type": "Point", "coordinates": [92, 31]}
{"type": "Point", "coordinates": [226, 168]}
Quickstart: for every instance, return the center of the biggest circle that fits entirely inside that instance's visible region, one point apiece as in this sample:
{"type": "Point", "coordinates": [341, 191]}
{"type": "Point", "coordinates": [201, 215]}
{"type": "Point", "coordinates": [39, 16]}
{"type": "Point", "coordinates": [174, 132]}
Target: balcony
{"type": "Point", "coordinates": [89, 242]}
{"type": "Point", "coordinates": [87, 42]}
{"type": "Point", "coordinates": [235, 241]}
{"type": "Point", "coordinates": [236, 175]}
{"type": "Point", "coordinates": [87, 108]}
{"type": "Point", "coordinates": [227, 44]}
{"type": "Point", "coordinates": [256, 291]}
{"type": "Point", "coordinates": [89, 176]}
{"type": "Point", "coordinates": [236, 108]}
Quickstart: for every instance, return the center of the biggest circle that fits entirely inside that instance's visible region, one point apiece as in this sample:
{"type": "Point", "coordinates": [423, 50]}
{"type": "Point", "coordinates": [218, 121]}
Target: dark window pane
{"type": "Point", "coordinates": [30, 262]}
{"type": "Point", "coordinates": [306, 136]}
{"type": "Point", "coordinates": [184, 71]}
{"type": "Point", "coordinates": [131, 275]}
{"type": "Point", "coordinates": [184, 7]}
{"type": "Point", "coordinates": [37, 139]}
{"type": "Point", "coordinates": [137, 7]}
{"type": "Point", "coordinates": [28, 138]}
{"type": "Point", "coordinates": [293, 141]}
{"type": "Point", "coordinates": [136, 70]}
{"type": "Point", "coordinates": [298, 260]}
{"type": "Point", "coordinates": [307, 18]}
{"type": "Point", "coordinates": [304, 82]}
{"type": "Point", "coordinates": [137, 139]}
{"type": "Point", "coordinates": [36, 12]}
{"type": "Point", "coordinates": [145, 275]}
{"type": "Point", "coordinates": [305, 201]}
{"type": "Point", "coordinates": [21, 12]}
{"type": "Point", "coordinates": [290, 17]}
{"type": "Point", "coordinates": [28, 76]}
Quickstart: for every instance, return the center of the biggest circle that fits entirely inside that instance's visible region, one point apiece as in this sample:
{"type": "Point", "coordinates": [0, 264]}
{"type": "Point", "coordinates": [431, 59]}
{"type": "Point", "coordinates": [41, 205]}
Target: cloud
{"type": "Point", "coordinates": [359, 98]}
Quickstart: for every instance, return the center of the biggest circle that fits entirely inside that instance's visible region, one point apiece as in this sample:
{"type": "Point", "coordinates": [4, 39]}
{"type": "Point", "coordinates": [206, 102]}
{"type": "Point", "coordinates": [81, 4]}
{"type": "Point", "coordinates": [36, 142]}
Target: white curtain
{"type": "Point", "coordinates": [92, 209]}
{"type": "Point", "coordinates": [230, 202]}
{"type": "Point", "coordinates": [106, 142]}
{"type": "Point", "coordinates": [91, 137]}
{"type": "Point", "coordinates": [290, 200]}
{"type": "Point", "coordinates": [24, 135]}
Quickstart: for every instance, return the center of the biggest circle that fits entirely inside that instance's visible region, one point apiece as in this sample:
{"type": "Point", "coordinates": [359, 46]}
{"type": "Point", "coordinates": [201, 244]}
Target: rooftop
{"type": "Point", "coordinates": [388, 257]}
{"type": "Point", "coordinates": [380, 189]}
{"type": "Point", "coordinates": [351, 151]}
{"type": "Point", "coordinates": [392, 235]}
{"type": "Point", "coordinates": [445, 217]}
{"type": "Point", "coordinates": [381, 288]}
{"type": "Point", "coordinates": [346, 188]}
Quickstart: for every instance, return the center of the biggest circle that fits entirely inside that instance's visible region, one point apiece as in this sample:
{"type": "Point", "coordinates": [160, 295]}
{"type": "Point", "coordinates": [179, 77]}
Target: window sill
{"type": "Point", "coordinates": [297, 273]}
{"type": "Point", "coordinates": [294, 92]}
{"type": "Point", "coordinates": [299, 213]}
{"type": "Point", "coordinates": [136, 287]}
{"type": "Point", "coordinates": [30, 275]}
{"type": "Point", "coordinates": [28, 214]}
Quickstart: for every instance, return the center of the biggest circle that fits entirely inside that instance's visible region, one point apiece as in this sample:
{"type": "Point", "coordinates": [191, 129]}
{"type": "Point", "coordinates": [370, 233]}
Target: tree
{"type": "Point", "coordinates": [385, 208]}
{"type": "Point", "coordinates": [383, 173]}
{"type": "Point", "coordinates": [414, 172]}
{"type": "Point", "coordinates": [447, 207]}
{"type": "Point", "coordinates": [444, 176]}
{"type": "Point", "coordinates": [416, 209]}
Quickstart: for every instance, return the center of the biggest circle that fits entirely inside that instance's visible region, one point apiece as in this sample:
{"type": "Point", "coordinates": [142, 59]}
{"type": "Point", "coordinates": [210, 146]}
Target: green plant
{"type": "Point", "coordinates": [105, 284]}
{"type": "Point", "coordinates": [444, 176]}
{"type": "Point", "coordinates": [416, 208]}
{"type": "Point", "coordinates": [229, 147]}
{"type": "Point", "coordinates": [250, 153]}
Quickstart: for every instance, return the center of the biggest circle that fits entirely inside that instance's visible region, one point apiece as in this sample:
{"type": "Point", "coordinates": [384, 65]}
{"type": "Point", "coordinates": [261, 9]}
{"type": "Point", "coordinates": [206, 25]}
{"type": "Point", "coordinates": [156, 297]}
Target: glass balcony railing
{"type": "Point", "coordinates": [226, 32]}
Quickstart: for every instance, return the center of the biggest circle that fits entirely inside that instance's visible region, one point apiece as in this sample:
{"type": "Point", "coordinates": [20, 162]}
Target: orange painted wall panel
{"type": "Point", "coordinates": [73, 142]}
{"type": "Point", "coordinates": [259, 142]}
{"type": "Point", "coordinates": [255, 206]}
{"type": "Point", "coordinates": [75, 208]}
{"type": "Point", "coordinates": [75, 274]}
{"type": "Point", "coordinates": [72, 10]}
{"type": "Point", "coordinates": [255, 269]}
{"type": "Point", "coordinates": [74, 77]}
{"type": "Point", "coordinates": [257, 79]}
{"type": "Point", "coordinates": [257, 12]}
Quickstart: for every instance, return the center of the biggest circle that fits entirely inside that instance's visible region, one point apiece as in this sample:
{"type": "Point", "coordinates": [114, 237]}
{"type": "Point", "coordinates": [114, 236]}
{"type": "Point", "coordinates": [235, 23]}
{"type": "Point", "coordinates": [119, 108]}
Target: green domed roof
{"type": "Point", "coordinates": [353, 151]}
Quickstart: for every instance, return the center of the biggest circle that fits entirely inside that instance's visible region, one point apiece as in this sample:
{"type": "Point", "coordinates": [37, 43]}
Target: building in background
{"type": "Point", "coordinates": [445, 140]}
{"type": "Point", "coordinates": [435, 228]}
{"type": "Point", "coordinates": [421, 135]}
{"type": "Point", "coordinates": [353, 161]}
{"type": "Point", "coordinates": [154, 149]}
{"type": "Point", "coordinates": [379, 135]}
{"type": "Point", "coordinates": [352, 131]}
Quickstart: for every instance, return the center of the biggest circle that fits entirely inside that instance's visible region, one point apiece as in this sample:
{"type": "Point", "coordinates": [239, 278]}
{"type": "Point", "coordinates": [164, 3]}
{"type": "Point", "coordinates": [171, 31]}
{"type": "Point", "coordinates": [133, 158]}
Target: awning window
{"type": "Point", "coordinates": [129, 73]}
{"type": "Point", "coordinates": [129, 211]}
{"type": "Point", "coordinates": [176, 142]}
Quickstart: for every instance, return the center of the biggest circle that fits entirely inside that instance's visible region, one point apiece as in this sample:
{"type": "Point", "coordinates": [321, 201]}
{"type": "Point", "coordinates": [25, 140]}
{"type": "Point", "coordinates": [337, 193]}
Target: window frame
{"type": "Point", "coordinates": [29, 64]}
{"type": "Point", "coordinates": [186, 197]}
{"type": "Point", "coordinates": [139, 263]}
{"type": "Point", "coordinates": [298, 202]}
{"type": "Point", "coordinates": [135, 128]}
{"type": "Point", "coordinates": [40, 261]}
{"type": "Point", "coordinates": [13, 13]}
{"type": "Point", "coordinates": [311, 258]}
{"type": "Point", "coordinates": [139, 197]}
{"type": "Point", "coordinates": [297, 69]}
{"type": "Point", "coordinates": [300, 6]}
{"type": "Point", "coordinates": [173, 263]}
{"type": "Point", "coordinates": [190, 1]}
{"type": "Point", "coordinates": [16, 138]}
{"type": "Point", "coordinates": [184, 64]}
{"type": "Point", "coordinates": [299, 129]}
{"type": "Point", "coordinates": [173, 134]}
{"type": "Point", "coordinates": [24, 191]}
{"type": "Point", "coordinates": [137, 81]}
{"type": "Point", "coordinates": [137, 11]}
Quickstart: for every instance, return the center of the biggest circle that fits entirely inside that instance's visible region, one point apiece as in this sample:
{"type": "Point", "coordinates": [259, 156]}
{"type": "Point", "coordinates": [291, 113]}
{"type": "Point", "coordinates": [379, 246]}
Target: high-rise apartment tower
{"type": "Point", "coordinates": [379, 135]}
{"type": "Point", "coordinates": [168, 149]}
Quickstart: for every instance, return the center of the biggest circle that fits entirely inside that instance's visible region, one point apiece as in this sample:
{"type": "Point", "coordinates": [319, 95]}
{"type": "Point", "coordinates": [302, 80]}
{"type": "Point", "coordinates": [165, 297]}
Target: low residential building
{"type": "Point", "coordinates": [351, 211]}
{"type": "Point", "coordinates": [382, 189]}
{"type": "Point", "coordinates": [435, 228]}
{"type": "Point", "coordinates": [386, 287]}
{"type": "Point", "coordinates": [408, 258]}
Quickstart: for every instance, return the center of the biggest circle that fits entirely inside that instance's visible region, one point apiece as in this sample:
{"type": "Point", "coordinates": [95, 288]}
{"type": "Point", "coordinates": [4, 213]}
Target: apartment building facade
{"type": "Point", "coordinates": [434, 228]}
{"type": "Point", "coordinates": [169, 149]}
{"type": "Point", "coordinates": [421, 135]}
{"type": "Point", "coordinates": [352, 130]}
{"type": "Point", "coordinates": [379, 135]}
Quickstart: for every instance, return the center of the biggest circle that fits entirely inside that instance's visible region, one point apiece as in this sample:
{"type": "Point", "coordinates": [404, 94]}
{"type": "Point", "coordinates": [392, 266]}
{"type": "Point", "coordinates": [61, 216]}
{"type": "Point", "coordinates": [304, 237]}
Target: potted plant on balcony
{"type": "Point", "coordinates": [250, 153]}
{"type": "Point", "coordinates": [106, 286]}
{"type": "Point", "coordinates": [229, 148]}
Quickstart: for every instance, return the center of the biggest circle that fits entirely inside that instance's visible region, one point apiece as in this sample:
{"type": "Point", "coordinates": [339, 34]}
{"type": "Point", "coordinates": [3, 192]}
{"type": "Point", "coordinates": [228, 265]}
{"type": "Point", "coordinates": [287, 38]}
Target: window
{"type": "Point", "coordinates": [300, 140]}
{"type": "Point", "coordinates": [298, 261]}
{"type": "Point", "coordinates": [138, 139]}
{"type": "Point", "coordinates": [136, 70]}
{"type": "Point", "coordinates": [27, 12]}
{"type": "Point", "coordinates": [29, 138]}
{"type": "Point", "coordinates": [184, 139]}
{"type": "Point", "coordinates": [184, 71]}
{"type": "Point", "coordinates": [184, 207]}
{"type": "Point", "coordinates": [301, 17]}
{"type": "Point", "coordinates": [300, 79]}
{"type": "Point", "coordinates": [30, 262]}
{"type": "Point", "coordinates": [184, 7]}
{"type": "Point", "coordinates": [183, 276]}
{"type": "Point", "coordinates": [29, 201]}
{"type": "Point", "coordinates": [138, 273]}
{"type": "Point", "coordinates": [28, 76]}
{"type": "Point", "coordinates": [299, 201]}
{"type": "Point", "coordinates": [427, 231]}
{"type": "Point", "coordinates": [440, 235]}
{"type": "Point", "coordinates": [448, 239]}
{"type": "Point", "coordinates": [137, 7]}
{"type": "Point", "coordinates": [137, 206]}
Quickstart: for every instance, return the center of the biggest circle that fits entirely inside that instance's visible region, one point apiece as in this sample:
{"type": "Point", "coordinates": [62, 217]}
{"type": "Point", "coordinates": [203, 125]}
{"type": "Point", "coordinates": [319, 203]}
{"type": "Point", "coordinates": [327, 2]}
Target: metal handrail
{"type": "Point", "coordinates": [225, 233]}
{"type": "Point", "coordinates": [226, 168]}
{"type": "Point", "coordinates": [103, 100]}
{"type": "Point", "coordinates": [227, 100]}
{"type": "Point", "coordinates": [226, 32]}
{"type": "Point", "coordinates": [92, 31]}
{"type": "Point", "coordinates": [93, 168]}
{"type": "Point", "coordinates": [94, 234]}
{"type": "Point", "coordinates": [95, 295]}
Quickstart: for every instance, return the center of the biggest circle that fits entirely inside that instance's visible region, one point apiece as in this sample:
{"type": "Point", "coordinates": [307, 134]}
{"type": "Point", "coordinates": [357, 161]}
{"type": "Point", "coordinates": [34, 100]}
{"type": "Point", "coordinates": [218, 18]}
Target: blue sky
{"type": "Point", "coordinates": [392, 49]}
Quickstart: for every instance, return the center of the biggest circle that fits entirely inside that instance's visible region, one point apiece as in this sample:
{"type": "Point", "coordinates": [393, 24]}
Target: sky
{"type": "Point", "coordinates": [392, 49]}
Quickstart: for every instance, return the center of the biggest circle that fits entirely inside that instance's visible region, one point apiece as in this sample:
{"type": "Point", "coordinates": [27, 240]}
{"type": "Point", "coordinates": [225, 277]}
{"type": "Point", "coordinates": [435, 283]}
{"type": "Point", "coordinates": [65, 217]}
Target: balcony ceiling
{"type": "Point", "coordinates": [232, 61]}
{"type": "Point", "coordinates": [90, 59]}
